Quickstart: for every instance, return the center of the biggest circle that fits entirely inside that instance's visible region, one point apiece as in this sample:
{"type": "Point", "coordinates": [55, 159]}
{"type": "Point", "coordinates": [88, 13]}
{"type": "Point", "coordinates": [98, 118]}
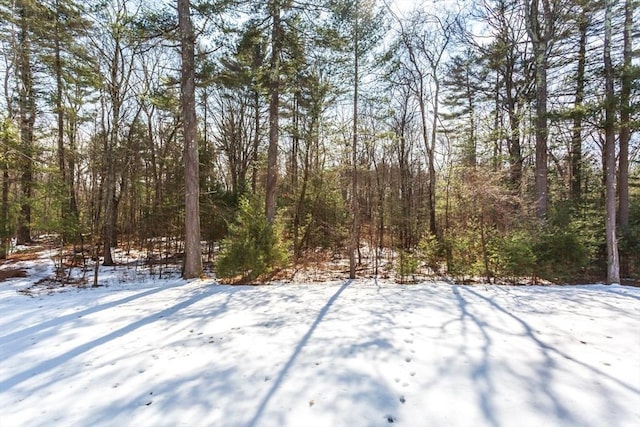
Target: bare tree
{"type": "Point", "coordinates": [425, 40]}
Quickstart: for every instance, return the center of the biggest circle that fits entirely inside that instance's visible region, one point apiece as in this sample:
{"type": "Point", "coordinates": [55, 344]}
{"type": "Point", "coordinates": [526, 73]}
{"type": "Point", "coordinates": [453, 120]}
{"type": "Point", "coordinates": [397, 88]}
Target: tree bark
{"type": "Point", "coordinates": [576, 137]}
{"type": "Point", "coordinates": [27, 111]}
{"type": "Point", "coordinates": [274, 110]}
{"type": "Point", "coordinates": [110, 144]}
{"type": "Point", "coordinates": [625, 113]}
{"type": "Point", "coordinates": [192, 256]}
{"type": "Point", "coordinates": [4, 207]}
{"type": "Point", "coordinates": [613, 262]}
{"type": "Point", "coordinates": [513, 140]}
{"type": "Point", "coordinates": [353, 232]}
{"type": "Point", "coordinates": [540, 35]}
{"type": "Point", "coordinates": [433, 229]}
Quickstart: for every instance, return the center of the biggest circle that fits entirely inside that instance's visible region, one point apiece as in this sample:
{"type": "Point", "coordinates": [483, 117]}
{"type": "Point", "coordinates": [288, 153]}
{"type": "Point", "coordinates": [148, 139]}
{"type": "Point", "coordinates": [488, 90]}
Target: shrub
{"type": "Point", "coordinates": [513, 255]}
{"type": "Point", "coordinates": [430, 251]}
{"type": "Point", "coordinates": [464, 253]}
{"type": "Point", "coordinates": [407, 265]}
{"type": "Point", "coordinates": [254, 248]}
{"type": "Point", "coordinates": [563, 253]}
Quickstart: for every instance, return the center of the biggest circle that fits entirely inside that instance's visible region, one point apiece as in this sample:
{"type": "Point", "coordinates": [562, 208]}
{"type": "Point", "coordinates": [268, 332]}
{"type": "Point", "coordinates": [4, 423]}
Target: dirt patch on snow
{"type": "Point", "coordinates": [22, 256]}
{"type": "Point", "coordinates": [10, 273]}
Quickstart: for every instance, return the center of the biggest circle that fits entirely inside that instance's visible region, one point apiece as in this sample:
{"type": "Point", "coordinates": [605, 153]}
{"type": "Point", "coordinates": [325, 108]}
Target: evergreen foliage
{"type": "Point", "coordinates": [513, 255]}
{"type": "Point", "coordinates": [407, 264]}
{"type": "Point", "coordinates": [254, 249]}
{"type": "Point", "coordinates": [435, 170]}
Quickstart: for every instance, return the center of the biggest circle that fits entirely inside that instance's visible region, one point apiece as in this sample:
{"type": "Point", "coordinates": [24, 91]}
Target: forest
{"type": "Point", "coordinates": [491, 140]}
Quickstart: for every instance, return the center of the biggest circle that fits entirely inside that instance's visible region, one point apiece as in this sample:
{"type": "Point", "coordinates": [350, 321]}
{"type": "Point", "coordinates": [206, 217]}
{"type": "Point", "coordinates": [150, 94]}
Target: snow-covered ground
{"type": "Point", "coordinates": [361, 353]}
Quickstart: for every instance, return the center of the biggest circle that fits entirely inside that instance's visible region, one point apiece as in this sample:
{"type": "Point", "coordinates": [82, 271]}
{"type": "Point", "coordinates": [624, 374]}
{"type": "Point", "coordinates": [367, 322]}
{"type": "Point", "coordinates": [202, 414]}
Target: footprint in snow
{"type": "Point", "coordinates": [407, 359]}
{"type": "Point", "coordinates": [402, 400]}
{"type": "Point", "coordinates": [390, 419]}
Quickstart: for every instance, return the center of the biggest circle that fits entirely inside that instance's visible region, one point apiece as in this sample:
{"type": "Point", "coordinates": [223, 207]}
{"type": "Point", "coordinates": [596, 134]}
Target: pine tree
{"type": "Point", "coordinates": [65, 57]}
{"type": "Point", "coordinates": [541, 27]}
{"type": "Point", "coordinates": [25, 20]}
{"type": "Point", "coordinates": [609, 152]}
{"type": "Point", "coordinates": [193, 257]}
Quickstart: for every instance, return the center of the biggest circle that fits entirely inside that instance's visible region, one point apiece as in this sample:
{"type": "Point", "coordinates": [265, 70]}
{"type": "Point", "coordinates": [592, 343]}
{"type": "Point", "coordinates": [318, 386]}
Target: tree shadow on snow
{"type": "Point", "coordinates": [57, 322]}
{"type": "Point", "coordinates": [361, 385]}
{"type": "Point", "coordinates": [49, 364]}
{"type": "Point", "coordinates": [543, 394]}
{"type": "Point", "coordinates": [294, 355]}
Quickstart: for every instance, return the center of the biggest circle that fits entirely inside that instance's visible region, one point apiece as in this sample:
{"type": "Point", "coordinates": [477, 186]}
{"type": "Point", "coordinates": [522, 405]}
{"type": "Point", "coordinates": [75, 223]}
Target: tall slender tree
{"type": "Point", "coordinates": [540, 20]}
{"type": "Point", "coordinates": [27, 113]}
{"type": "Point", "coordinates": [63, 52]}
{"type": "Point", "coordinates": [193, 256]}
{"type": "Point", "coordinates": [353, 232]}
{"type": "Point", "coordinates": [625, 115]}
{"type": "Point", "coordinates": [609, 152]}
{"type": "Point", "coordinates": [277, 34]}
{"type": "Point", "coordinates": [423, 41]}
{"type": "Point", "coordinates": [578, 112]}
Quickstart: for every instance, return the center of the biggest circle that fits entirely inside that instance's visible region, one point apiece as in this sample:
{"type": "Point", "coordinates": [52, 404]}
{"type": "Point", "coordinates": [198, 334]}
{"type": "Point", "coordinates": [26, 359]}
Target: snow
{"type": "Point", "coordinates": [349, 353]}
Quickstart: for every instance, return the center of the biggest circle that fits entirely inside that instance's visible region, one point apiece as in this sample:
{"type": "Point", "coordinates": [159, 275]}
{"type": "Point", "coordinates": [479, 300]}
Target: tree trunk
{"type": "Point", "coordinates": [4, 208]}
{"type": "Point", "coordinates": [613, 262]}
{"type": "Point", "coordinates": [192, 250]}
{"type": "Point", "coordinates": [353, 232]}
{"type": "Point", "coordinates": [110, 143]}
{"type": "Point", "coordinates": [27, 111]}
{"type": "Point", "coordinates": [68, 208]}
{"type": "Point", "coordinates": [625, 113]}
{"type": "Point", "coordinates": [297, 218]}
{"type": "Point", "coordinates": [513, 140]}
{"type": "Point", "coordinates": [540, 39]}
{"type": "Point", "coordinates": [432, 163]}
{"type": "Point", "coordinates": [256, 141]}
{"type": "Point", "coordinates": [576, 137]}
{"type": "Point", "coordinates": [274, 109]}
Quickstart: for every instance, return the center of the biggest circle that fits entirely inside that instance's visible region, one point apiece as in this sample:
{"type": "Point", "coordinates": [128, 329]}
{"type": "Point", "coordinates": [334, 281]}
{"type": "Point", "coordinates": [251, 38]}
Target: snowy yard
{"type": "Point", "coordinates": [362, 353]}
